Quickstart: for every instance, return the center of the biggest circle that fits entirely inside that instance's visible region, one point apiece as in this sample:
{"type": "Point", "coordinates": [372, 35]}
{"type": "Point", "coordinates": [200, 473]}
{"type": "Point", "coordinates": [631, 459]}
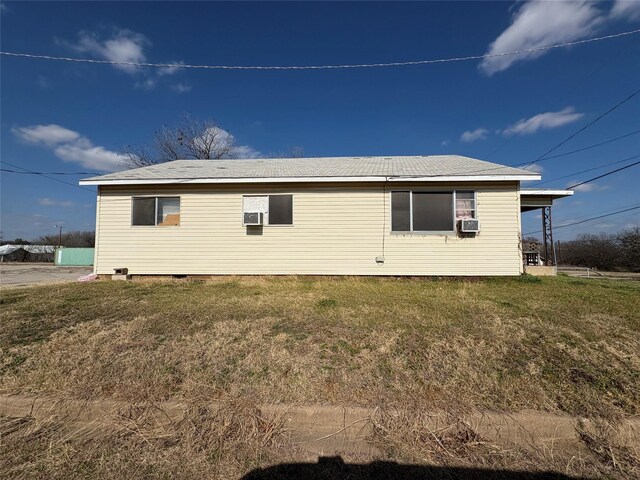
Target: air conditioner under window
{"type": "Point", "coordinates": [252, 218]}
{"type": "Point", "coordinates": [469, 225]}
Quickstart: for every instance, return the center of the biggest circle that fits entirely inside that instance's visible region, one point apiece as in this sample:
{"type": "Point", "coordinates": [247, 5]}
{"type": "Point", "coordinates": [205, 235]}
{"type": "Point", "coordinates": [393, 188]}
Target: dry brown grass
{"type": "Point", "coordinates": [217, 442]}
{"type": "Point", "coordinates": [410, 435]}
{"type": "Point", "coordinates": [558, 345]}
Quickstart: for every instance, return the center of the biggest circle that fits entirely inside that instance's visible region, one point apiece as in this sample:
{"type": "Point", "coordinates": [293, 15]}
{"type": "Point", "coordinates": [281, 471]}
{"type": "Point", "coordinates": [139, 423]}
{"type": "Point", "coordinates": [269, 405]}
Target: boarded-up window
{"type": "Point", "coordinates": [280, 209]}
{"type": "Point", "coordinates": [161, 211]}
{"type": "Point", "coordinates": [255, 203]}
{"type": "Point", "coordinates": [432, 211]}
{"type": "Point", "coordinates": [400, 211]}
{"type": "Point", "coordinates": [168, 211]}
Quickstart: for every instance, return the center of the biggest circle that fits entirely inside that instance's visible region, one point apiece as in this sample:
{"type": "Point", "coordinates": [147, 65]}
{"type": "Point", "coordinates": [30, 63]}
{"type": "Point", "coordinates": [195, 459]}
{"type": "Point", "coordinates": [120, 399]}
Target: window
{"type": "Point", "coordinates": [276, 209]}
{"type": "Point", "coordinates": [465, 205]}
{"type": "Point", "coordinates": [160, 211]}
{"type": "Point", "coordinates": [401, 211]}
{"type": "Point", "coordinates": [432, 211]}
{"type": "Point", "coordinates": [144, 211]}
{"type": "Point", "coordinates": [422, 211]}
{"type": "Point", "coordinates": [280, 209]}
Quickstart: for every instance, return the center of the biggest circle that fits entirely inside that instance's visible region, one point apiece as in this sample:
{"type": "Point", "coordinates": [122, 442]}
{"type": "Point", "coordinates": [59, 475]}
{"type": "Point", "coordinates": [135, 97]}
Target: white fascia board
{"type": "Point", "coordinates": [450, 178]}
{"type": "Point", "coordinates": [559, 193]}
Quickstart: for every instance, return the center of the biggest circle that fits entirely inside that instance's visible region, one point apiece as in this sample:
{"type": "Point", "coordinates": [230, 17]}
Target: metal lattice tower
{"type": "Point", "coordinates": [547, 233]}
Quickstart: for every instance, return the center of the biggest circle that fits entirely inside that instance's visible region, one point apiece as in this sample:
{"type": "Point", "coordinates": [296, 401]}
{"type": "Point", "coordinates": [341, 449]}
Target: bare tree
{"type": "Point", "coordinates": [629, 241]}
{"type": "Point", "coordinates": [294, 151]}
{"type": "Point", "coordinates": [69, 239]}
{"type": "Point", "coordinates": [191, 140]}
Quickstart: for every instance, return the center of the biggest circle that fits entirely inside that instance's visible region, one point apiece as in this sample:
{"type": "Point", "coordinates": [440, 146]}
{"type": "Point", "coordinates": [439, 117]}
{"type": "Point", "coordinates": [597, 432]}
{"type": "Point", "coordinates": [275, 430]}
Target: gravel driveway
{"type": "Point", "coordinates": [27, 274]}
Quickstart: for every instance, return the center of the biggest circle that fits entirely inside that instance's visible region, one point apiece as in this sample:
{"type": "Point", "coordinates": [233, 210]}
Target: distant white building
{"type": "Point", "coordinates": [27, 253]}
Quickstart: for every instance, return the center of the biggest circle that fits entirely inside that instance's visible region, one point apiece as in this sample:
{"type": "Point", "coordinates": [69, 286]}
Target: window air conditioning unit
{"type": "Point", "coordinates": [252, 218]}
{"type": "Point", "coordinates": [469, 225]}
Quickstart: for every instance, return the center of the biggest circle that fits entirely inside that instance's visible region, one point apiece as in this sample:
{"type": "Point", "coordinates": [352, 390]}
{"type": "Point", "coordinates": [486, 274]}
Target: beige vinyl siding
{"type": "Point", "coordinates": [337, 229]}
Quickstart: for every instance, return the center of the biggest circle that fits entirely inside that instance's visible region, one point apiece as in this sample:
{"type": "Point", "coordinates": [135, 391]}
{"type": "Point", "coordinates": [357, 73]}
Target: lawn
{"type": "Point", "coordinates": [560, 345]}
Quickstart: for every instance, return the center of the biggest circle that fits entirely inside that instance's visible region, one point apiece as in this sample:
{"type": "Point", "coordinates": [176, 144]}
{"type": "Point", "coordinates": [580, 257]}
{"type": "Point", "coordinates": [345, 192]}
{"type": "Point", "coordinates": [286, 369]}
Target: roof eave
{"type": "Point", "coordinates": [439, 178]}
{"type": "Point", "coordinates": [556, 193]}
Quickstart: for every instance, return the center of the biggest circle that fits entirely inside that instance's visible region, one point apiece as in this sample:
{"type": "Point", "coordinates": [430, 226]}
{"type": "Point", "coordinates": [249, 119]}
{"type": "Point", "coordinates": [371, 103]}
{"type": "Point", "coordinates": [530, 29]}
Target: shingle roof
{"type": "Point", "coordinates": [325, 168]}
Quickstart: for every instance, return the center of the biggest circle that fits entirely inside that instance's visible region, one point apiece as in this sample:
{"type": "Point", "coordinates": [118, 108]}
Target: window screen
{"type": "Point", "coordinates": [168, 211]}
{"type": "Point", "coordinates": [144, 211]}
{"type": "Point", "coordinates": [432, 211]}
{"type": "Point", "coordinates": [400, 215]}
{"type": "Point", "coordinates": [280, 209]}
{"type": "Point", "coordinates": [465, 205]}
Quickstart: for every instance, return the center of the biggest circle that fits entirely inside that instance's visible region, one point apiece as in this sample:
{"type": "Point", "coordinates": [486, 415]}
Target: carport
{"type": "Point", "coordinates": [533, 199]}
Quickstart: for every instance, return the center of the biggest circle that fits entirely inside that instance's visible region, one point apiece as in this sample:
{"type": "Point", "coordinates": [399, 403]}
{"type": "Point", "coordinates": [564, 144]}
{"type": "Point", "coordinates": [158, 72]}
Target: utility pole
{"type": "Point", "coordinates": [59, 235]}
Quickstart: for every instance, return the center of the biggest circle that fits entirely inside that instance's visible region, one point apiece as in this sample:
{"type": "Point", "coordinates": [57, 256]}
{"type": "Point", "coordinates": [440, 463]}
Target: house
{"type": "Point", "coordinates": [417, 215]}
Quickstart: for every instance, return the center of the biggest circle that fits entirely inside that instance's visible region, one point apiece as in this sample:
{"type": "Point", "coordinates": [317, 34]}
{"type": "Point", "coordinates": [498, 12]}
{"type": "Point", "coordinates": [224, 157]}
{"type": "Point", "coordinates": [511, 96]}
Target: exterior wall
{"type": "Point", "coordinates": [338, 229]}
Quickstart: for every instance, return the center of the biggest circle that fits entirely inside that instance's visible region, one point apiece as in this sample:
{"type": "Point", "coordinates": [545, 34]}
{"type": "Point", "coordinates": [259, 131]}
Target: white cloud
{"type": "Point", "coordinates": [245, 151]}
{"type": "Point", "coordinates": [70, 146]}
{"type": "Point", "coordinates": [221, 137]}
{"type": "Point", "coordinates": [123, 46]}
{"type": "Point", "coordinates": [147, 84]}
{"type": "Point", "coordinates": [91, 156]}
{"type": "Point", "coordinates": [537, 24]}
{"type": "Point", "coordinates": [181, 87]}
{"type": "Point", "coordinates": [626, 9]}
{"type": "Point", "coordinates": [48, 135]}
{"type": "Point", "coordinates": [50, 202]}
{"type": "Point", "coordinates": [589, 187]}
{"type": "Point", "coordinates": [543, 121]}
{"type": "Point", "coordinates": [473, 135]}
{"type": "Point", "coordinates": [534, 168]}
{"type": "Point", "coordinates": [444, 143]}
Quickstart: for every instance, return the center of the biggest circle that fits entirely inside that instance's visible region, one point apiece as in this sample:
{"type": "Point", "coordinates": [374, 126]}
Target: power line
{"type": "Point", "coordinates": [47, 176]}
{"type": "Point", "coordinates": [602, 211]}
{"type": "Point", "coordinates": [589, 219]}
{"type": "Point", "coordinates": [599, 117]}
{"type": "Point", "coordinates": [635, 132]}
{"type": "Point", "coordinates": [526, 164]}
{"type": "Point", "coordinates": [583, 78]}
{"type": "Point", "coordinates": [321, 67]}
{"type": "Point", "coordinates": [49, 173]}
{"type": "Point", "coordinates": [586, 148]}
{"type": "Point", "coordinates": [603, 175]}
{"type": "Point", "coordinates": [587, 170]}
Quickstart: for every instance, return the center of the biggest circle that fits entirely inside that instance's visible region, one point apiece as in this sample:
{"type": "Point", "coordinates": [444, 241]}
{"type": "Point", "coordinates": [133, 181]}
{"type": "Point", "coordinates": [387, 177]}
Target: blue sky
{"type": "Point", "coordinates": [66, 117]}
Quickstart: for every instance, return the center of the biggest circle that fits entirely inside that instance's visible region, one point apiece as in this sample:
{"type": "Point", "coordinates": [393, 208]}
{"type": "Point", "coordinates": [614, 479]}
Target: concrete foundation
{"type": "Point", "coordinates": [540, 270]}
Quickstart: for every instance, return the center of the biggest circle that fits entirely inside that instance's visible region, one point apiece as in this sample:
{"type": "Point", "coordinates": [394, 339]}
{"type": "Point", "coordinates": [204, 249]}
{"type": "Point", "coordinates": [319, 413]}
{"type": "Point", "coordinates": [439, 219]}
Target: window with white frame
{"type": "Point", "coordinates": [465, 204]}
{"type": "Point", "coordinates": [276, 209]}
{"type": "Point", "coordinates": [155, 211]}
{"type": "Point", "coordinates": [422, 211]}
